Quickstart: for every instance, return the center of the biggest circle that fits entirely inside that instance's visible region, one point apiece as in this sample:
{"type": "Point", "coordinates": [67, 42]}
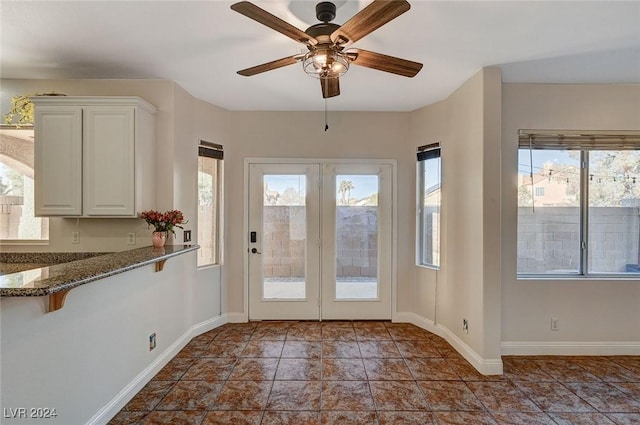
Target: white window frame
{"type": "Point", "coordinates": [584, 142]}
{"type": "Point", "coordinates": [215, 152]}
{"type": "Point", "coordinates": [425, 153]}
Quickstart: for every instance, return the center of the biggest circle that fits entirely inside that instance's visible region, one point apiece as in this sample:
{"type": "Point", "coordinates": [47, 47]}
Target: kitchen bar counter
{"type": "Point", "coordinates": [56, 280]}
{"type": "Point", "coordinates": [14, 262]}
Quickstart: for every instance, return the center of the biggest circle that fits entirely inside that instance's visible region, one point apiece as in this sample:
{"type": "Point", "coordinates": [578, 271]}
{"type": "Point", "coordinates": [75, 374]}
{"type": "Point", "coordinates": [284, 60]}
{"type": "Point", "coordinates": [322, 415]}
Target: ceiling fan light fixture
{"type": "Point", "coordinates": [325, 63]}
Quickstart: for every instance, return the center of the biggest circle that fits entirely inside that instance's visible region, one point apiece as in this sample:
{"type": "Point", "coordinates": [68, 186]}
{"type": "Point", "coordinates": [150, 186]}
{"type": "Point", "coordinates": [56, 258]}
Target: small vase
{"type": "Point", "coordinates": [158, 239]}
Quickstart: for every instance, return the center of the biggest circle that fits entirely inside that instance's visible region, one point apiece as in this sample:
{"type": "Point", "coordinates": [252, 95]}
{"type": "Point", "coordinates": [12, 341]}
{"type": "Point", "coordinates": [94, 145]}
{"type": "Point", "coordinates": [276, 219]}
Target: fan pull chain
{"type": "Point", "coordinates": [326, 124]}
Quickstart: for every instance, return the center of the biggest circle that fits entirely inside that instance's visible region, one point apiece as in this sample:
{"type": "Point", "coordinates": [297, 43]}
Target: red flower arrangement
{"type": "Point", "coordinates": [164, 222]}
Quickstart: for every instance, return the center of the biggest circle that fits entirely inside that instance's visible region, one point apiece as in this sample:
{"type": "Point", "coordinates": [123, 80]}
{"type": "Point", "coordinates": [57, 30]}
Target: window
{"type": "Point", "coordinates": [429, 186]}
{"type": "Point", "coordinates": [209, 176]}
{"type": "Point", "coordinates": [584, 219]}
{"type": "Point", "coordinates": [17, 220]}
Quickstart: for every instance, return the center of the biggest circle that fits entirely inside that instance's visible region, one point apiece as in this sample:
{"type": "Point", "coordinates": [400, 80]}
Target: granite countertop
{"type": "Point", "coordinates": [10, 268]}
{"type": "Point", "coordinates": [14, 262]}
{"type": "Point", "coordinates": [51, 279]}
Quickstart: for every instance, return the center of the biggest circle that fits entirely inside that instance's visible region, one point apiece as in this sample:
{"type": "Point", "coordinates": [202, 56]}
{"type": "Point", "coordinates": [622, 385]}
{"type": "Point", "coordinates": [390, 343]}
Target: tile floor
{"type": "Point", "coordinates": [374, 373]}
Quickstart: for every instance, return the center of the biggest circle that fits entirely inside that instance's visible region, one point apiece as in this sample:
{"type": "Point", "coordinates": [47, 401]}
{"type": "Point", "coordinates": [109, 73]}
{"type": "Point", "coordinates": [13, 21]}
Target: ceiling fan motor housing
{"type": "Point", "coordinates": [325, 11]}
{"type": "Point", "coordinates": [322, 32]}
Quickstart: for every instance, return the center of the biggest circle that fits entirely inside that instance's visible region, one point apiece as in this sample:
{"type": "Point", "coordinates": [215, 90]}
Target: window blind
{"type": "Point", "coordinates": [579, 140]}
{"type": "Point", "coordinates": [210, 150]}
{"type": "Point", "coordinates": [428, 152]}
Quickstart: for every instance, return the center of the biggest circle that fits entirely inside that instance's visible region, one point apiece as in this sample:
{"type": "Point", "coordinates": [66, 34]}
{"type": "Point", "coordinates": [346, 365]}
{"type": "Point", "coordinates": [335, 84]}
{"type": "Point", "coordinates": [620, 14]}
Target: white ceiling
{"type": "Point", "coordinates": [201, 45]}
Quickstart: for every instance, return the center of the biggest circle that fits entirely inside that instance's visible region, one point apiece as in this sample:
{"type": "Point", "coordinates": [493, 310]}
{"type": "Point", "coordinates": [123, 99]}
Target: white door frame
{"type": "Point", "coordinates": [245, 246]}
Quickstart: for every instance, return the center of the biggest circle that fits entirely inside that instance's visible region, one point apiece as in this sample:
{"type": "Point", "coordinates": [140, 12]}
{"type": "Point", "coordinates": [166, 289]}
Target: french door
{"type": "Point", "coordinates": [319, 240]}
{"type": "Point", "coordinates": [284, 241]}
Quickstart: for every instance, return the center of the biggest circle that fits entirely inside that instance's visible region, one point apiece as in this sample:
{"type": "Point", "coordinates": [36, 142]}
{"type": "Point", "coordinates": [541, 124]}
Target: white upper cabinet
{"type": "Point", "coordinates": [58, 161]}
{"type": "Point", "coordinates": [108, 160]}
{"type": "Point", "coordinates": [93, 156]}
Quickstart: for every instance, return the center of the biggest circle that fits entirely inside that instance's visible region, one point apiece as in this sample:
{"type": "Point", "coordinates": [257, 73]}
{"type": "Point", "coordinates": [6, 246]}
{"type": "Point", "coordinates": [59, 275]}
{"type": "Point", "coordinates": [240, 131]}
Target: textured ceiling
{"type": "Point", "coordinates": [202, 44]}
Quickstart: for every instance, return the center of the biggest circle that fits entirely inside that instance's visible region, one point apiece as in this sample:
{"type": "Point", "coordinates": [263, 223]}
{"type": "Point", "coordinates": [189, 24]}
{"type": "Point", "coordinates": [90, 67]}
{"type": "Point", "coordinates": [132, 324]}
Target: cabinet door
{"type": "Point", "coordinates": [108, 165]}
{"type": "Point", "coordinates": [58, 161]}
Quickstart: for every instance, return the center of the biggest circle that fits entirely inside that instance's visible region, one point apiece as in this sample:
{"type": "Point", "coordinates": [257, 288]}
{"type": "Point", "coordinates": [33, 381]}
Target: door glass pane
{"type": "Point", "coordinates": [357, 237]}
{"type": "Point", "coordinates": [284, 238]}
{"type": "Point", "coordinates": [614, 201]}
{"type": "Point", "coordinates": [548, 211]}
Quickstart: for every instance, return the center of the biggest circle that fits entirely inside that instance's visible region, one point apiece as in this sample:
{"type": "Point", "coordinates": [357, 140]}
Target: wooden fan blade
{"type": "Point", "coordinates": [279, 63]}
{"type": "Point", "coordinates": [252, 11]}
{"type": "Point", "coordinates": [381, 62]}
{"type": "Point", "coordinates": [368, 20]}
{"type": "Point", "coordinates": [330, 87]}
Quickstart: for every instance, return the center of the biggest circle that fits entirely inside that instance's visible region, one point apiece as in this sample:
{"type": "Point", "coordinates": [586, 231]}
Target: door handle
{"type": "Point", "coordinates": [255, 251]}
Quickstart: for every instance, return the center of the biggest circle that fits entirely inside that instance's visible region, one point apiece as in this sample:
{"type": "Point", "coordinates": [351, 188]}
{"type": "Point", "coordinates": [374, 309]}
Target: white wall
{"type": "Point", "coordinates": [491, 212]}
{"type": "Point", "coordinates": [467, 125]}
{"type": "Point", "coordinates": [209, 124]}
{"type": "Point", "coordinates": [596, 316]}
{"type": "Point", "coordinates": [429, 125]}
{"type": "Point", "coordinates": [356, 135]}
{"type": "Point", "coordinates": [461, 295]}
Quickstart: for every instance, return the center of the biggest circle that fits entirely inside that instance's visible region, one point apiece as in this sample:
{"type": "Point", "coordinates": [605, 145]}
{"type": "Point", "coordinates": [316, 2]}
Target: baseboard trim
{"type": "Point", "coordinates": [571, 348]}
{"type": "Point", "coordinates": [421, 322]}
{"type": "Point", "coordinates": [237, 318]}
{"type": "Point", "coordinates": [208, 325]}
{"type": "Point", "coordinates": [106, 413]}
{"type": "Point", "coordinates": [484, 366]}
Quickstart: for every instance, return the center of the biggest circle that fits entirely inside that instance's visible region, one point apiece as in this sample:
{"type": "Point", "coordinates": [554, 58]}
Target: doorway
{"type": "Point", "coordinates": [320, 239]}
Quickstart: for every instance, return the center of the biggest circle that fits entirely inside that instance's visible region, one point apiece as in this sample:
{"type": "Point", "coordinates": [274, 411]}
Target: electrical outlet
{"type": "Point", "coordinates": [187, 235]}
{"type": "Point", "coordinates": [152, 341]}
{"type": "Point", "coordinates": [555, 324]}
{"type": "Point", "coordinates": [465, 325]}
{"type": "Point", "coordinates": [131, 238]}
{"type": "Point", "coordinates": [75, 237]}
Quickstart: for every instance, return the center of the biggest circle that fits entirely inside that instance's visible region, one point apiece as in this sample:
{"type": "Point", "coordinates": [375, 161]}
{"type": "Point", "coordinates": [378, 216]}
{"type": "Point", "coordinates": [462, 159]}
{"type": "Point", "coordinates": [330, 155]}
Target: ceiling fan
{"type": "Point", "coordinates": [327, 58]}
